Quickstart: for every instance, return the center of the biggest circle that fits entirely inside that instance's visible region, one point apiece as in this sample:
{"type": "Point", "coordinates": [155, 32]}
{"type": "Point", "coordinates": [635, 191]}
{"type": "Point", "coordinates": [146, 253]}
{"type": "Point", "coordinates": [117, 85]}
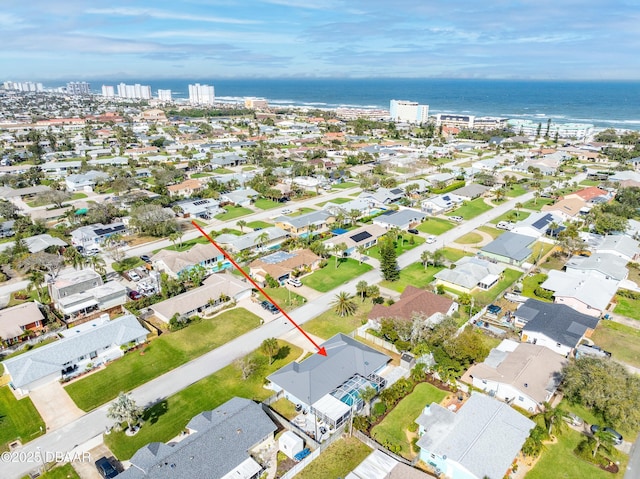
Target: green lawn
{"type": "Point", "coordinates": [414, 275]}
{"type": "Point", "coordinates": [338, 460]}
{"type": "Point", "coordinates": [301, 212]}
{"type": "Point", "coordinates": [78, 196]}
{"type": "Point", "coordinates": [161, 355]}
{"type": "Point", "coordinates": [530, 283]}
{"type": "Point", "coordinates": [627, 307]}
{"type": "Point", "coordinates": [435, 226]}
{"type": "Point", "coordinates": [394, 426]}
{"type": "Point", "coordinates": [539, 250]}
{"type": "Point", "coordinates": [168, 418]}
{"type": "Point", "coordinates": [331, 277]}
{"type": "Point", "coordinates": [201, 175]}
{"type": "Point", "coordinates": [285, 297]}
{"type": "Point", "coordinates": [328, 324]}
{"type": "Point", "coordinates": [222, 171]}
{"type": "Point", "coordinates": [494, 232]}
{"type": "Point", "coordinates": [454, 255]}
{"type": "Point", "coordinates": [337, 201]}
{"type": "Point", "coordinates": [509, 277]}
{"type": "Point", "coordinates": [285, 408]}
{"type": "Point", "coordinates": [19, 419]}
{"type": "Point", "coordinates": [470, 209]}
{"type": "Point", "coordinates": [559, 462]}
{"type": "Point", "coordinates": [127, 264]}
{"type": "Point", "coordinates": [623, 342]}
{"type": "Point", "coordinates": [266, 204]}
{"type": "Point", "coordinates": [402, 246]}
{"type": "Point", "coordinates": [587, 183]}
{"type": "Point", "coordinates": [516, 190]}
{"type": "Point", "coordinates": [469, 238]}
{"type": "Point", "coordinates": [66, 471]}
{"type": "Point", "coordinates": [513, 215]}
{"type": "Point", "coordinates": [233, 212]}
{"type": "Point", "coordinates": [345, 185]}
{"type": "Point", "coordinates": [537, 205]}
{"type": "Point", "coordinates": [259, 224]}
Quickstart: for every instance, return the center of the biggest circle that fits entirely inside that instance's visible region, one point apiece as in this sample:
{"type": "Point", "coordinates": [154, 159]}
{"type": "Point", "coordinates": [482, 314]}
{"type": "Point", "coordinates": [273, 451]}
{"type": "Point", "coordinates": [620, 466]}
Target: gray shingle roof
{"type": "Point", "coordinates": [402, 217]}
{"type": "Point", "coordinates": [484, 436]}
{"type": "Point", "coordinates": [510, 245]}
{"type": "Point", "coordinates": [319, 375]}
{"type": "Point", "coordinates": [606, 264]}
{"type": "Point", "coordinates": [556, 321]}
{"type": "Point", "coordinates": [249, 240]}
{"type": "Point", "coordinates": [469, 271]}
{"type": "Point", "coordinates": [311, 218]}
{"type": "Point", "coordinates": [41, 362]}
{"type": "Point", "coordinates": [220, 443]}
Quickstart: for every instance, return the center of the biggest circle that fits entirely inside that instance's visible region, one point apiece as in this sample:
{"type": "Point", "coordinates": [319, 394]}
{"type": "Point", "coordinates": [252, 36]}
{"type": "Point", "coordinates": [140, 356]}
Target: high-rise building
{"type": "Point", "coordinates": [78, 88]}
{"type": "Point", "coordinates": [136, 92]}
{"type": "Point", "coordinates": [108, 91]}
{"type": "Point", "coordinates": [22, 86]}
{"type": "Point", "coordinates": [201, 94]}
{"type": "Point", "coordinates": [164, 95]}
{"type": "Point", "coordinates": [408, 111]}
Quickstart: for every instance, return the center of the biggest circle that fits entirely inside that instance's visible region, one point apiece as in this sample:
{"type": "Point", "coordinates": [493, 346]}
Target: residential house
{"type": "Point", "coordinates": [203, 254]}
{"type": "Point", "coordinates": [364, 207]}
{"type": "Point", "coordinates": [25, 194]}
{"type": "Point", "coordinates": [585, 291]}
{"type": "Point", "coordinates": [441, 203]}
{"type": "Point", "coordinates": [479, 441]}
{"type": "Point", "coordinates": [85, 181]}
{"type": "Point", "coordinates": [620, 245]}
{"type": "Point", "coordinates": [568, 209]}
{"type": "Point", "coordinates": [95, 342]}
{"type": "Point", "coordinates": [422, 186]}
{"type": "Point", "coordinates": [328, 386]}
{"type": "Point", "coordinates": [554, 326]}
{"type": "Point", "coordinates": [19, 320]}
{"type": "Point", "coordinates": [437, 180]}
{"type": "Point", "coordinates": [244, 197]}
{"type": "Point", "coordinates": [187, 188]}
{"type": "Point", "coordinates": [205, 208]}
{"type": "Point", "coordinates": [402, 219]}
{"type": "Point", "coordinates": [217, 290]}
{"type": "Point", "coordinates": [414, 302]}
{"type": "Point", "coordinates": [604, 265]}
{"type": "Point", "coordinates": [471, 191]}
{"type": "Point", "coordinates": [6, 229]}
{"type": "Point", "coordinates": [366, 236]}
{"type": "Point", "coordinates": [262, 239]}
{"type": "Point", "coordinates": [470, 272]}
{"type": "Point", "coordinates": [521, 374]}
{"type": "Point", "coordinates": [41, 242]}
{"type": "Point", "coordinates": [510, 248]}
{"type": "Point", "coordinates": [282, 265]}
{"type": "Point", "coordinates": [87, 236]}
{"type": "Point", "coordinates": [314, 222]}
{"type": "Point", "coordinates": [537, 224]}
{"type": "Point", "coordinates": [379, 465]}
{"type": "Point", "coordinates": [226, 160]}
{"type": "Point", "coordinates": [589, 194]}
{"type": "Point", "coordinates": [222, 443]}
{"type": "Point", "coordinates": [383, 196]}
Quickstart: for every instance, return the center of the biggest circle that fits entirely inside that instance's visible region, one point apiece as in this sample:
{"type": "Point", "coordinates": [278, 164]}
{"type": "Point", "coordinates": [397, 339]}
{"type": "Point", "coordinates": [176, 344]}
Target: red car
{"type": "Point", "coordinates": [135, 295]}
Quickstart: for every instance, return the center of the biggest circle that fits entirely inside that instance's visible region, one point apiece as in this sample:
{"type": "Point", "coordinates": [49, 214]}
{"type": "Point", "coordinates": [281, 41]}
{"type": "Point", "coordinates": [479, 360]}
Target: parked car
{"type": "Point", "coordinates": [574, 420]}
{"type": "Point", "coordinates": [135, 295]}
{"type": "Point", "coordinates": [105, 468]}
{"type": "Point", "coordinates": [617, 437]}
{"type": "Point", "coordinates": [273, 308]}
{"type": "Point", "coordinates": [457, 219]}
{"type": "Point", "coordinates": [286, 211]}
{"type": "Point", "coordinates": [505, 225]}
{"type": "Point", "coordinates": [133, 276]}
{"type": "Point", "coordinates": [295, 282]}
{"type": "Point", "coordinates": [494, 309]}
{"type": "Point", "coordinates": [431, 239]}
{"type": "Point", "coordinates": [413, 231]}
{"type": "Point", "coordinates": [145, 258]}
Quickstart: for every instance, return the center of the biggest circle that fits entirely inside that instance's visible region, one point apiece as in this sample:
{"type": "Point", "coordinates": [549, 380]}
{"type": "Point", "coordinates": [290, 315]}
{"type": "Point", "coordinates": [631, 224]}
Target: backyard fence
{"type": "Point", "coordinates": [362, 332]}
{"type": "Point", "coordinates": [375, 445]}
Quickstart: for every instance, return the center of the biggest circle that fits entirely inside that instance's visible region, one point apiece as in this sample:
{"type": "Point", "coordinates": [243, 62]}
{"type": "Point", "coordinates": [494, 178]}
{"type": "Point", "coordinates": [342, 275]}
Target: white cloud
{"type": "Point", "coordinates": [167, 15]}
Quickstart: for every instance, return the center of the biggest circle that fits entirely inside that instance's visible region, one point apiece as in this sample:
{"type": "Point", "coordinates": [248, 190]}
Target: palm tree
{"type": "Point", "coordinates": [603, 439]}
{"type": "Point", "coordinates": [536, 195]}
{"type": "Point", "coordinates": [262, 239]}
{"type": "Point", "coordinates": [36, 278]}
{"type": "Point", "coordinates": [339, 250]}
{"type": "Point", "coordinates": [344, 305]}
{"type": "Point", "coordinates": [361, 288]}
{"type": "Point", "coordinates": [98, 264]}
{"type": "Point", "coordinates": [438, 257]}
{"type": "Point", "coordinates": [426, 258]}
{"type": "Point", "coordinates": [554, 419]}
{"type": "Point", "coordinates": [73, 257]}
{"type": "Point", "coordinates": [241, 224]}
{"type": "Point", "coordinates": [173, 237]}
{"type": "Point", "coordinates": [354, 215]}
{"type": "Point", "coordinates": [361, 252]}
{"type": "Point", "coordinates": [367, 394]}
{"type": "Point", "coordinates": [518, 207]}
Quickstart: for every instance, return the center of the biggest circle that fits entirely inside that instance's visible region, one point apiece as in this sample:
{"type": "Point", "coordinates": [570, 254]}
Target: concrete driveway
{"type": "Point", "coordinates": [55, 406]}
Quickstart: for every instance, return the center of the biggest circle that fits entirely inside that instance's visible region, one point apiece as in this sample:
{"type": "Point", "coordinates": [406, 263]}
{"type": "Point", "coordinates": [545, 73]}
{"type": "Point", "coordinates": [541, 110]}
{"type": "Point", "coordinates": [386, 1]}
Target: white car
{"type": "Point", "coordinates": [133, 276]}
{"type": "Point", "coordinates": [286, 211]}
{"type": "Point", "coordinates": [431, 239]}
{"type": "Point", "coordinates": [457, 219]}
{"type": "Point", "coordinates": [295, 282]}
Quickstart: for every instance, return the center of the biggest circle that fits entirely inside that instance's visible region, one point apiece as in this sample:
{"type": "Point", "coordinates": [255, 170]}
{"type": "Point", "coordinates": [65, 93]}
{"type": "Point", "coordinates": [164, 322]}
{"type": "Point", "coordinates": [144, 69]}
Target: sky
{"type": "Point", "coordinates": [119, 39]}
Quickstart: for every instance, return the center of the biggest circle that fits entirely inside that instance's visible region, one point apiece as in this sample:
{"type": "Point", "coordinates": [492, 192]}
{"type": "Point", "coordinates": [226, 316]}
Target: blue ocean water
{"type": "Point", "coordinates": [603, 103]}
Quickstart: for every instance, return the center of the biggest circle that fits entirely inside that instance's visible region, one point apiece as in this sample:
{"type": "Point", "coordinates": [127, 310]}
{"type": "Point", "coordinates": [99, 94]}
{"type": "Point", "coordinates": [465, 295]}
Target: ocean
{"type": "Point", "coordinates": [602, 103]}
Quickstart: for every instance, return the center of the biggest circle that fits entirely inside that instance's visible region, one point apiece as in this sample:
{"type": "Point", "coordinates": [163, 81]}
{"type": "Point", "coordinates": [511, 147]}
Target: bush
{"type": "Point", "coordinates": [378, 300]}
{"type": "Point", "coordinates": [379, 409]}
{"type": "Point", "coordinates": [413, 427]}
{"type": "Point", "coordinates": [543, 293]}
{"type": "Point", "coordinates": [447, 189]}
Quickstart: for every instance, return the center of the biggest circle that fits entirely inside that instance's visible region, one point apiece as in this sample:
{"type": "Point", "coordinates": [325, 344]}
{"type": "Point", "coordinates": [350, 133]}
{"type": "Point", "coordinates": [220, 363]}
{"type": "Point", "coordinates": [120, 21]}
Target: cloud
{"type": "Point", "coordinates": [167, 15]}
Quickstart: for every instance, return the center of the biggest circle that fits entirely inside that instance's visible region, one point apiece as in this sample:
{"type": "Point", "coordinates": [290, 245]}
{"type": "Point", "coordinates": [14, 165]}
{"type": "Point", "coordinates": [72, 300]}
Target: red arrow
{"type": "Point", "coordinates": [322, 351]}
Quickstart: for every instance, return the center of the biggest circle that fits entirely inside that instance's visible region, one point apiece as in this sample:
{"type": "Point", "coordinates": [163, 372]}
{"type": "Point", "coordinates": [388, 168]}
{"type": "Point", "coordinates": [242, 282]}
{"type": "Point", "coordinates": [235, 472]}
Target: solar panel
{"type": "Point", "coordinates": [361, 236]}
{"type": "Point", "coordinates": [543, 222]}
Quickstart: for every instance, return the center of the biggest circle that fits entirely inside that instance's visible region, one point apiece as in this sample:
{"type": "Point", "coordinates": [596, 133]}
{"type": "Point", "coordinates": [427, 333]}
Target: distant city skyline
{"type": "Point", "coordinates": [121, 40]}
